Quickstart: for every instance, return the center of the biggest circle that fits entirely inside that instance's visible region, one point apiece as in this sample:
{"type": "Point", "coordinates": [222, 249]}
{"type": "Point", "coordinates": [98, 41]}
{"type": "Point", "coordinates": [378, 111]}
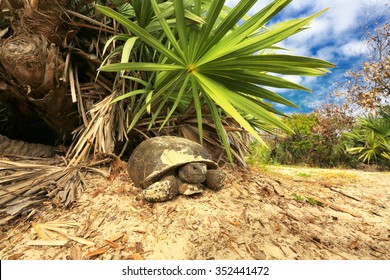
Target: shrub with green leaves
{"type": "Point", "coordinates": [201, 56]}
{"type": "Point", "coordinates": [298, 147]}
{"type": "Point", "coordinates": [317, 141]}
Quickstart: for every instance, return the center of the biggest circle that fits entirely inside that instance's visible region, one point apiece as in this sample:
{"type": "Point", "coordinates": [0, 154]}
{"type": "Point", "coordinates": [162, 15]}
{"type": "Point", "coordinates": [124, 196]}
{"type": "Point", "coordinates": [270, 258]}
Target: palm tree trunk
{"type": "Point", "coordinates": [21, 148]}
{"type": "Point", "coordinates": [33, 66]}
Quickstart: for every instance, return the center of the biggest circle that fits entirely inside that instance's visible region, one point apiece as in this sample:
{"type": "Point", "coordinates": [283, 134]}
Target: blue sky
{"type": "Point", "coordinates": [335, 36]}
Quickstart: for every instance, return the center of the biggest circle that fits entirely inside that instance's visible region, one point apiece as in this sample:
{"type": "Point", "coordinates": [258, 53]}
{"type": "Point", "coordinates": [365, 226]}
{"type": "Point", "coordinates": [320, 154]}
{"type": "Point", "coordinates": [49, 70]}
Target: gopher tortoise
{"type": "Point", "coordinates": [167, 166]}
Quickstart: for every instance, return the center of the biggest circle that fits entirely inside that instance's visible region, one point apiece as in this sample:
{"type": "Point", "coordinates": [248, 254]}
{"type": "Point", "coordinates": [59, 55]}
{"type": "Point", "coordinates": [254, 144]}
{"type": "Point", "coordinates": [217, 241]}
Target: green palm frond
{"type": "Point", "coordinates": [371, 138]}
{"type": "Point", "coordinates": [216, 62]}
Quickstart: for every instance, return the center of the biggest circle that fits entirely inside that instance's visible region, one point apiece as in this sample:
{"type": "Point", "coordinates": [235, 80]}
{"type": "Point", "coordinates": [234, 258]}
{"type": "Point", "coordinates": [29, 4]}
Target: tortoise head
{"type": "Point", "coordinates": [193, 172]}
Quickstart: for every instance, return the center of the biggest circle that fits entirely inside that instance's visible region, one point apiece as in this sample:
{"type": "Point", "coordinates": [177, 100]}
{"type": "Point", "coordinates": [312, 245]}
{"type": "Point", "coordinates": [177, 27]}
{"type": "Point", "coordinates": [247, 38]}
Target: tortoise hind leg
{"type": "Point", "coordinates": [163, 190]}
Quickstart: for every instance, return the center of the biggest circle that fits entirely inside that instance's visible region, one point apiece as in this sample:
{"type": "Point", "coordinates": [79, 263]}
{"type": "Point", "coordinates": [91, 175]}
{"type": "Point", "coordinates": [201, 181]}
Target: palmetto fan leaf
{"type": "Point", "coordinates": [221, 64]}
{"type": "Point", "coordinates": [371, 139]}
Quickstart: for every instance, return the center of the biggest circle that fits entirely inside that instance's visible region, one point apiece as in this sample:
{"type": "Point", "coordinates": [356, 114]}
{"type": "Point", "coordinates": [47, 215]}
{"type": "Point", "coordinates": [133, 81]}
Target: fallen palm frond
{"type": "Point", "coordinates": [27, 182]}
{"type": "Point", "coordinates": [55, 234]}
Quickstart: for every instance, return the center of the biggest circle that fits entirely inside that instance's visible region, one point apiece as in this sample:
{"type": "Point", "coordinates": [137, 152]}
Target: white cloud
{"type": "Point", "coordinates": [328, 53]}
{"type": "Point", "coordinates": [354, 48]}
{"type": "Point", "coordinates": [333, 27]}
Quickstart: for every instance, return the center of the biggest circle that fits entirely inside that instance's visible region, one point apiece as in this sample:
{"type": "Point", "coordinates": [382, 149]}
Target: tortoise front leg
{"type": "Point", "coordinates": [215, 179]}
{"type": "Point", "coordinates": [163, 190]}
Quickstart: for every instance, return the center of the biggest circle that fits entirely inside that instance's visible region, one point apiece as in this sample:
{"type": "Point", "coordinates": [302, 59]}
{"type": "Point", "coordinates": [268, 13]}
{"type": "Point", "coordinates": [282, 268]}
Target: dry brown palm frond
{"type": "Point", "coordinates": [52, 233]}
{"type": "Point", "coordinates": [187, 126]}
{"type": "Point", "coordinates": [27, 182]}
{"type": "Point", "coordinates": [101, 26]}
{"type": "Point", "coordinates": [105, 127]}
{"type": "Point", "coordinates": [103, 123]}
{"type": "Point", "coordinates": [238, 138]}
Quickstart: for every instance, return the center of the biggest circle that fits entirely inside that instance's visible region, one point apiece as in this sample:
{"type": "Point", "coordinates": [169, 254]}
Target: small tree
{"type": "Point", "coordinates": [369, 87]}
{"type": "Point", "coordinates": [332, 122]}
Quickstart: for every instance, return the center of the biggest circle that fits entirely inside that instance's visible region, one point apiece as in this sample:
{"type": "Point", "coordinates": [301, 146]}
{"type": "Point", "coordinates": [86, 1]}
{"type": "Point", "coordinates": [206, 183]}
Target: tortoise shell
{"type": "Point", "coordinates": [155, 157]}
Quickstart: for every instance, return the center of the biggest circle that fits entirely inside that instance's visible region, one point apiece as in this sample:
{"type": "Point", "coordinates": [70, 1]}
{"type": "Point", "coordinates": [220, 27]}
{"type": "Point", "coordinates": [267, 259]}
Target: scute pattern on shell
{"type": "Point", "coordinates": [155, 157]}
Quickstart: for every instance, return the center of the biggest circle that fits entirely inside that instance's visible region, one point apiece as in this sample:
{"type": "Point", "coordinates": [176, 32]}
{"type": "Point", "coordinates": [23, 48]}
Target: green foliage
{"type": "Point", "coordinates": [298, 197]}
{"type": "Point", "coordinates": [193, 55]}
{"type": "Point", "coordinates": [295, 148]}
{"type": "Point", "coordinates": [314, 201]}
{"type": "Point", "coordinates": [310, 200]}
{"type": "Point", "coordinates": [317, 141]}
{"type": "Point", "coordinates": [301, 124]}
{"type": "Point", "coordinates": [259, 154]}
{"type": "Point", "coordinates": [371, 138]}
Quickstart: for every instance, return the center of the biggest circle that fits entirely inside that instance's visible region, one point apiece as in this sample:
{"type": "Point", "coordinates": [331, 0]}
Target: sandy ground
{"type": "Point", "coordinates": [269, 213]}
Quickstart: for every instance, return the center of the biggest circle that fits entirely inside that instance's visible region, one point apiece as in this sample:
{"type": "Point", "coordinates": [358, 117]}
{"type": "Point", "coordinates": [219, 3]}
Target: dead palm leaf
{"type": "Point", "coordinates": [105, 127]}
{"type": "Point", "coordinates": [27, 183]}
{"type": "Point", "coordinates": [52, 232]}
